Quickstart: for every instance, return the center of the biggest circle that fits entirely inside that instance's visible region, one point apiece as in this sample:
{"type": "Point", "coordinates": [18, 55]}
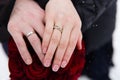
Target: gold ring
{"type": "Point", "coordinates": [30, 33]}
{"type": "Point", "coordinates": [58, 28]}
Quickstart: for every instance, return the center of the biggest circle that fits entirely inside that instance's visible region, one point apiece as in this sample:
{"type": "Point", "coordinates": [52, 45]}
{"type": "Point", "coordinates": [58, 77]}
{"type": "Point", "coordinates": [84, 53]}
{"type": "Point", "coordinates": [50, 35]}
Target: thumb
{"type": "Point", "coordinates": [79, 42]}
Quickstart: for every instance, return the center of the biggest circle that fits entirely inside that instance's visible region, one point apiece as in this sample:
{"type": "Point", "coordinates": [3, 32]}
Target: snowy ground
{"type": "Point", "coordinates": [115, 72]}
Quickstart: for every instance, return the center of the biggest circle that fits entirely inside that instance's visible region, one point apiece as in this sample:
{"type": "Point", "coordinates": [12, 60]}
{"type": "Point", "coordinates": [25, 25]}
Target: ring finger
{"type": "Point", "coordinates": [62, 47]}
{"type": "Point", "coordinates": [34, 41]}
{"type": "Point", "coordinates": [52, 47]}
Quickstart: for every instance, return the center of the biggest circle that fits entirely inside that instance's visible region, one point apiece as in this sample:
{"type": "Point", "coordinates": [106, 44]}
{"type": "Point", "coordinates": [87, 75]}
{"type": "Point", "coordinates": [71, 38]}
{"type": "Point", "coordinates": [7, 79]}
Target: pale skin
{"type": "Point", "coordinates": [28, 16]}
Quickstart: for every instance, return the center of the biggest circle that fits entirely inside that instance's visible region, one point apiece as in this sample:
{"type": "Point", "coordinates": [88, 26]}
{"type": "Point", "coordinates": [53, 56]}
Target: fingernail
{"type": "Point", "coordinates": [28, 61]}
{"type": "Point", "coordinates": [44, 50]}
{"type": "Point", "coordinates": [47, 63]}
{"type": "Point", "coordinates": [64, 63]}
{"type": "Point", "coordinates": [55, 68]}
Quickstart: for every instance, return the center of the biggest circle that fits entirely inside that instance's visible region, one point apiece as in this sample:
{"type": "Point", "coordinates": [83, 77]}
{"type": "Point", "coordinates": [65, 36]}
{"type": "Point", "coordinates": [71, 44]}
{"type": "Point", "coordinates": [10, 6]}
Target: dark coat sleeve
{"type": "Point", "coordinates": [5, 11]}
{"type": "Point", "coordinates": [101, 31]}
{"type": "Point", "coordinates": [91, 10]}
{"type": "Point", "coordinates": [88, 10]}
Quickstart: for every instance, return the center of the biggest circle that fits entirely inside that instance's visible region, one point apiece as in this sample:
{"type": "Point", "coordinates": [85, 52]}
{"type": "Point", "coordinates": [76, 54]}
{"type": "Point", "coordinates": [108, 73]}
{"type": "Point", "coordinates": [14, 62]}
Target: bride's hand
{"type": "Point", "coordinates": [62, 33]}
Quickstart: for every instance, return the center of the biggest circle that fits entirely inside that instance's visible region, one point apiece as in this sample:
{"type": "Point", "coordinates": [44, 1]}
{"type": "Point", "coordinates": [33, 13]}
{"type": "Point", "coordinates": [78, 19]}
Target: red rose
{"type": "Point", "coordinates": [15, 65]}
{"type": "Point", "coordinates": [36, 71]}
{"type": "Point", "coordinates": [77, 63]}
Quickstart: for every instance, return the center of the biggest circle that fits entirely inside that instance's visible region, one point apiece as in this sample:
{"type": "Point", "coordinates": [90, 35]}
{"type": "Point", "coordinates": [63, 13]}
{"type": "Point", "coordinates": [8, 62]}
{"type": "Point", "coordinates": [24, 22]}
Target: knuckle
{"type": "Point", "coordinates": [31, 15]}
{"type": "Point", "coordinates": [20, 44]}
{"type": "Point", "coordinates": [48, 32]}
{"type": "Point", "coordinates": [34, 40]}
{"type": "Point", "coordinates": [72, 43]}
{"type": "Point", "coordinates": [44, 43]}
{"type": "Point", "coordinates": [78, 23]}
{"type": "Point", "coordinates": [12, 29]}
{"type": "Point", "coordinates": [67, 56]}
{"type": "Point", "coordinates": [60, 16]}
{"type": "Point", "coordinates": [10, 26]}
{"type": "Point", "coordinates": [69, 20]}
{"type": "Point", "coordinates": [62, 44]}
{"type": "Point", "coordinates": [58, 60]}
{"type": "Point", "coordinates": [23, 52]}
{"type": "Point", "coordinates": [55, 39]}
{"type": "Point", "coordinates": [48, 56]}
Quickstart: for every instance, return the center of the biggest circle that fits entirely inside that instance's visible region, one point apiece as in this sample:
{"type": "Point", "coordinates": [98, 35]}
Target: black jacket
{"type": "Point", "coordinates": [98, 19]}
